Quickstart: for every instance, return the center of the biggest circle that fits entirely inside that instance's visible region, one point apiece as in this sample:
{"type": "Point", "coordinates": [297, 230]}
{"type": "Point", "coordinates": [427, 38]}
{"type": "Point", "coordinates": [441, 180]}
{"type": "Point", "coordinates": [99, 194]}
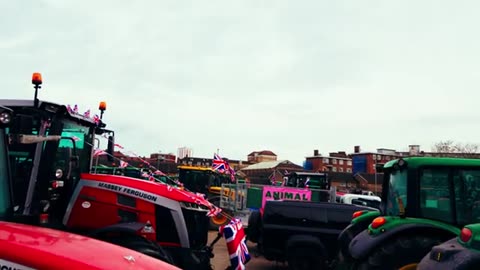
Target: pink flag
{"type": "Point", "coordinates": [99, 152]}
{"type": "Point", "coordinates": [87, 114]}
{"type": "Point", "coordinates": [158, 172]}
{"type": "Point", "coordinates": [118, 145]}
{"type": "Point", "coordinates": [75, 108]}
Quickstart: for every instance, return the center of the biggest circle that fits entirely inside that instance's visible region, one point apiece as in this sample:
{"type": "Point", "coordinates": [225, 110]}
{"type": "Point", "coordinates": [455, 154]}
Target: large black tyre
{"type": "Point", "coordinates": [143, 246]}
{"type": "Point", "coordinates": [254, 226]}
{"type": "Point", "coordinates": [346, 237]}
{"type": "Point", "coordinates": [400, 252]}
{"type": "Point", "coordinates": [305, 258]}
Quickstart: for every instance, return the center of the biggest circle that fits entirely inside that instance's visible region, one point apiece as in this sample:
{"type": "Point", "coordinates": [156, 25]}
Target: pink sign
{"type": "Point", "coordinates": [271, 193]}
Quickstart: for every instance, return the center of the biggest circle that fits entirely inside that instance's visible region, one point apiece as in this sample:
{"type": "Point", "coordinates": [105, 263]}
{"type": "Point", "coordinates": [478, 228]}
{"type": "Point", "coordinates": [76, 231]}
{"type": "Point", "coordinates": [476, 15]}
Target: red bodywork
{"type": "Point", "coordinates": [95, 203]}
{"type": "Point", "coordinates": [41, 248]}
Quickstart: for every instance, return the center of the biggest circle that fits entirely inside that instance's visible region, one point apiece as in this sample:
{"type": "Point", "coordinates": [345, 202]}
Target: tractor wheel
{"type": "Point", "coordinates": [254, 226]}
{"type": "Point", "coordinates": [305, 258]}
{"type": "Point", "coordinates": [403, 253]}
{"type": "Point", "coordinates": [346, 237]}
{"type": "Point", "coordinates": [144, 246]}
{"type": "Point", "coordinates": [218, 220]}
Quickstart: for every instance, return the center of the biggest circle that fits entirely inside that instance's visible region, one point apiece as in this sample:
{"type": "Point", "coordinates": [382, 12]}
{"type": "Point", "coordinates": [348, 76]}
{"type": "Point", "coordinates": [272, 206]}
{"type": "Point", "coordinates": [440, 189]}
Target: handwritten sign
{"type": "Point", "coordinates": [271, 193]}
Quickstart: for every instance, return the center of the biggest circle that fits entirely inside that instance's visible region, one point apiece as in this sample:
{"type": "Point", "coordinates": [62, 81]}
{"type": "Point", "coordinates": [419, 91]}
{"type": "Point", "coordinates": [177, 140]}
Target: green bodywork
{"type": "Point", "coordinates": [416, 162]}
{"type": "Point", "coordinates": [393, 222]}
{"type": "Point", "coordinates": [474, 242]}
{"type": "Point", "coordinates": [367, 215]}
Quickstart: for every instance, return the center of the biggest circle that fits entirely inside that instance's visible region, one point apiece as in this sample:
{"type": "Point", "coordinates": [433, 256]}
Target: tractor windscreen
{"type": "Point", "coordinates": [397, 193]}
{"type": "Point", "coordinates": [83, 138]}
{"type": "Point", "coordinates": [4, 181]}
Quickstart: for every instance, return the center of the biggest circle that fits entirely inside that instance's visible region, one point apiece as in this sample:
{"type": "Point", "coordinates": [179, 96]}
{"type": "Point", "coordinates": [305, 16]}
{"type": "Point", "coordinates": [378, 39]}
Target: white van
{"type": "Point", "coordinates": [365, 200]}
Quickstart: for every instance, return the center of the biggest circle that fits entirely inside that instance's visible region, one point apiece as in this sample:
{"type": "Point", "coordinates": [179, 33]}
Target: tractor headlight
{"type": "Point", "coordinates": [58, 173]}
{"type": "Point", "coordinates": [5, 118]}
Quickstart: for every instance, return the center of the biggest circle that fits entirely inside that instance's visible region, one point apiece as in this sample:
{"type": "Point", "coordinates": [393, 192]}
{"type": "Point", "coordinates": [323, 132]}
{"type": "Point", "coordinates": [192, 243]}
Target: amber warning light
{"type": "Point", "coordinates": [102, 106]}
{"type": "Point", "coordinates": [37, 78]}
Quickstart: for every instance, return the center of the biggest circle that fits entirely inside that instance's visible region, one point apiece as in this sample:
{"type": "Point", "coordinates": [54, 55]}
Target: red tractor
{"type": "Point", "coordinates": [27, 247]}
{"type": "Point", "coordinates": [48, 183]}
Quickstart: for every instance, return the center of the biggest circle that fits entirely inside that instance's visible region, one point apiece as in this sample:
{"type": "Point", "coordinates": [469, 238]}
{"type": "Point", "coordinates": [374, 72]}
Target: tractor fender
{"type": "Point", "coordinates": [365, 242]}
{"type": "Point", "coordinates": [306, 241]}
{"type": "Point", "coordinates": [130, 228]}
{"type": "Point", "coordinates": [349, 233]}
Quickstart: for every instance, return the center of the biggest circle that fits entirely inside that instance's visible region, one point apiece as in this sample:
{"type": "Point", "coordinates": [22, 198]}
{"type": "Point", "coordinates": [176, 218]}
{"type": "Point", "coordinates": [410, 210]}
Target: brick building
{"type": "Point", "coordinates": [368, 162]}
{"type": "Point", "coordinates": [260, 173]}
{"type": "Point", "coordinates": [261, 156]}
{"type": "Point", "coordinates": [334, 162]}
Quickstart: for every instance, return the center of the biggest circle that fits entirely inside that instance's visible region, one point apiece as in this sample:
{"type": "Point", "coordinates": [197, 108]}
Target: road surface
{"type": "Point", "coordinates": [221, 260]}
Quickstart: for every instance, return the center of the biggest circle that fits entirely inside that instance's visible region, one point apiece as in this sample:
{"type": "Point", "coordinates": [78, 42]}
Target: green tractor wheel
{"type": "Point", "coordinates": [403, 253]}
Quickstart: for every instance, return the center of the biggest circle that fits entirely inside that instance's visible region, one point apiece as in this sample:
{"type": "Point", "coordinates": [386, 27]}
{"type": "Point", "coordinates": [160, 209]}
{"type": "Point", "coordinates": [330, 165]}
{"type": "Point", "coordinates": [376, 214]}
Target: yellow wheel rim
{"type": "Point", "coordinates": [411, 266]}
{"type": "Point", "coordinates": [219, 220]}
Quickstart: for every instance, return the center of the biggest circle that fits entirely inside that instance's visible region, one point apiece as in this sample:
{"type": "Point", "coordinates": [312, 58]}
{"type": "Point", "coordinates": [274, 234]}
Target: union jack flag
{"type": "Point", "coordinates": [96, 119]}
{"type": "Point", "coordinates": [214, 211]}
{"type": "Point", "coordinates": [219, 164]}
{"type": "Point", "coordinates": [236, 244]}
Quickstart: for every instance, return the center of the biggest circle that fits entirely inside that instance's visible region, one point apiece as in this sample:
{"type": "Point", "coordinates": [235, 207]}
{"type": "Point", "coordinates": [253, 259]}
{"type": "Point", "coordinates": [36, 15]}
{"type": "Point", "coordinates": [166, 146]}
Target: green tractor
{"type": "Point", "coordinates": [425, 201]}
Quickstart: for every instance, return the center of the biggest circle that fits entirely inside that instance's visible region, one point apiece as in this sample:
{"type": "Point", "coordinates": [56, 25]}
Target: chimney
{"type": "Point", "coordinates": [356, 149]}
{"type": "Point", "coordinates": [315, 152]}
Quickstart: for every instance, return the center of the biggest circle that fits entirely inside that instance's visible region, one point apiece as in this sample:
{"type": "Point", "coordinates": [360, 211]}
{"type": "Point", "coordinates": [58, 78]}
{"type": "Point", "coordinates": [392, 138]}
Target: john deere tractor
{"type": "Point", "coordinates": [425, 201]}
{"type": "Point", "coordinates": [206, 181]}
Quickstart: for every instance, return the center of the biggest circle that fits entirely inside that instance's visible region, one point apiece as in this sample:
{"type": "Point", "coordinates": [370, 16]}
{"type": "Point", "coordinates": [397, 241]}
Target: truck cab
{"type": "Point", "coordinates": [314, 180]}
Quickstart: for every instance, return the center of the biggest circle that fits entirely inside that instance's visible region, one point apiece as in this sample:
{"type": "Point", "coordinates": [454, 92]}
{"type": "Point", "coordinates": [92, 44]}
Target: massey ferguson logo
{"type": "Point", "coordinates": [128, 191]}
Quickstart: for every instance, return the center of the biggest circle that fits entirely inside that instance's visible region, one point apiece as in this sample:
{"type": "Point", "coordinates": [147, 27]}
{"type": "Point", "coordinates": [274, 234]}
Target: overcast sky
{"type": "Point", "coordinates": [288, 76]}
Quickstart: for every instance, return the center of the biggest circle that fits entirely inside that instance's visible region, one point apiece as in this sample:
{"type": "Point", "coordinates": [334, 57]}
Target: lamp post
{"type": "Point", "coordinates": [375, 159]}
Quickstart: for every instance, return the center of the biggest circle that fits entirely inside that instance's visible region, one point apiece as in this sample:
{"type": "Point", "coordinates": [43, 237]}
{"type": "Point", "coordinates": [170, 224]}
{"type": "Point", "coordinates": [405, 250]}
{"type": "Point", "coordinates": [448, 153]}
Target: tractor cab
{"type": "Point", "coordinates": [314, 180]}
{"type": "Point", "coordinates": [202, 180]}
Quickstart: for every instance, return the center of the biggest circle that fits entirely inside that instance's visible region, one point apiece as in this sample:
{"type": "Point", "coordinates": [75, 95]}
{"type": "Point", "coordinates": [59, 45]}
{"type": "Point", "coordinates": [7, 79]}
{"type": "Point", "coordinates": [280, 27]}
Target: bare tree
{"type": "Point", "coordinates": [450, 148]}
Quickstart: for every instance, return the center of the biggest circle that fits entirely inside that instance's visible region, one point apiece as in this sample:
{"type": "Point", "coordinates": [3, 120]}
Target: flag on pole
{"type": "Point", "coordinates": [218, 164]}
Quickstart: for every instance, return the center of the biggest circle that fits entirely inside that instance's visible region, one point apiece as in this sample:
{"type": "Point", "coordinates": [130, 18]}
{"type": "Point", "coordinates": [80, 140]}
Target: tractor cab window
{"type": "Point", "coordinates": [397, 192]}
{"type": "Point", "coordinates": [4, 181]}
{"type": "Point", "coordinates": [83, 141]}
{"type": "Point", "coordinates": [467, 194]}
{"type": "Point", "coordinates": [435, 201]}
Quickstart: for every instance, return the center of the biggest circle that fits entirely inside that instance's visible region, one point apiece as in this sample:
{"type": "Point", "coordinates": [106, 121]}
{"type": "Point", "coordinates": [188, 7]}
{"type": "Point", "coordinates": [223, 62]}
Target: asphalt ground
{"type": "Point", "coordinates": [221, 260]}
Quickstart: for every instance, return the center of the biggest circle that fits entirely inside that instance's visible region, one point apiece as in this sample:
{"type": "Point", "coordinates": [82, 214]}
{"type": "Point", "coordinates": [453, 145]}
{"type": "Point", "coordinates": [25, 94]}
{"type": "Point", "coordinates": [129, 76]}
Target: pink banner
{"type": "Point", "coordinates": [271, 193]}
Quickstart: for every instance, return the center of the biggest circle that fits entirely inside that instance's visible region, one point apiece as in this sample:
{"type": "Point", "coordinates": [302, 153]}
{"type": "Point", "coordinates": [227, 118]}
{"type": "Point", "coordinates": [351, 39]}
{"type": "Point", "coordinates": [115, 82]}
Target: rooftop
{"type": "Point", "coordinates": [267, 165]}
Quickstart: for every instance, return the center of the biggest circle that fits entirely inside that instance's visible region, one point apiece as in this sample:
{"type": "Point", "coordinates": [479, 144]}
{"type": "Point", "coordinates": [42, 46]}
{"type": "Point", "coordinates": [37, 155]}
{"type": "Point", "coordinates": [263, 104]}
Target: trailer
{"type": "Point", "coordinates": [241, 198]}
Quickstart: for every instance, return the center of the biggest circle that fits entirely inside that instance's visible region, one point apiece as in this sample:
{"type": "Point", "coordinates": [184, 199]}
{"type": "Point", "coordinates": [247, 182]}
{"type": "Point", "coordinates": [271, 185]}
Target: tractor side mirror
{"type": "Point", "coordinates": [110, 148]}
